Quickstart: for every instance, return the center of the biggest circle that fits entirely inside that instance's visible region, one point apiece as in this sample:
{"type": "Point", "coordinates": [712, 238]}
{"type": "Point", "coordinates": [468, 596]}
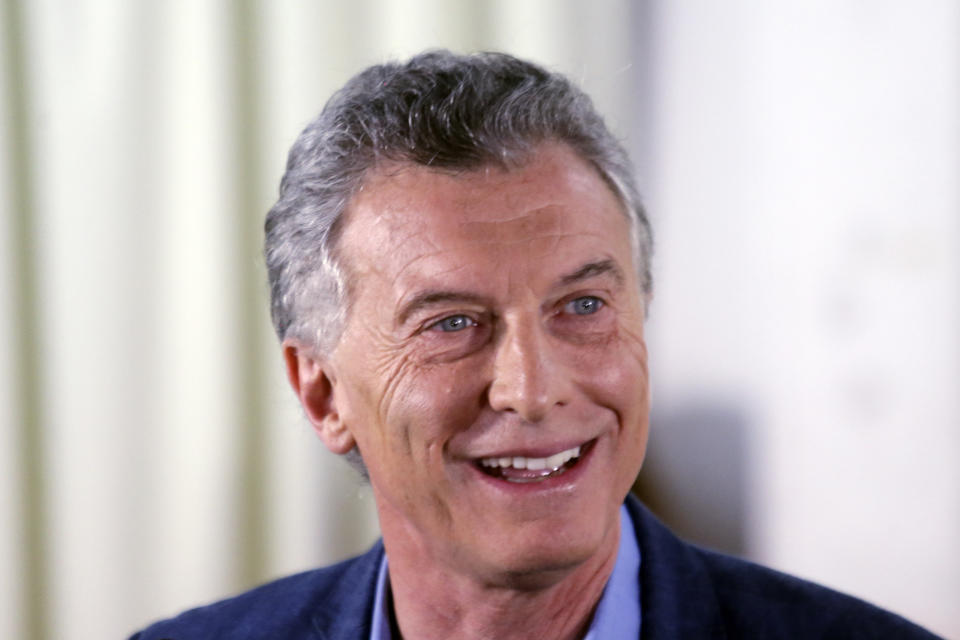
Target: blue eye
{"type": "Point", "coordinates": [454, 323]}
{"type": "Point", "coordinates": [585, 305]}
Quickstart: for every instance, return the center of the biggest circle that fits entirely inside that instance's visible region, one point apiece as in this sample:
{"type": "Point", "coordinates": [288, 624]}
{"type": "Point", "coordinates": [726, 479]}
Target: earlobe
{"type": "Point", "coordinates": [315, 385]}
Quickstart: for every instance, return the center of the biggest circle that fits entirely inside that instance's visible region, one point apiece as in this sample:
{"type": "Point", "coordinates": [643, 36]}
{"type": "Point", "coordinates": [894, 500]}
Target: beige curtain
{"type": "Point", "coordinates": [154, 458]}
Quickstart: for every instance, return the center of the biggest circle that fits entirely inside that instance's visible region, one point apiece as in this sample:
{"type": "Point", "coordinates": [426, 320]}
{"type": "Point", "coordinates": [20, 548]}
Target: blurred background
{"type": "Point", "coordinates": [800, 162]}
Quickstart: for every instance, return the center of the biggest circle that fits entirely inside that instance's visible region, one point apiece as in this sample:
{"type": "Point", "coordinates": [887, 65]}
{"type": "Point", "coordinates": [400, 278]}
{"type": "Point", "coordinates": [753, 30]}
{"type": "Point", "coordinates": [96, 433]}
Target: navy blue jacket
{"type": "Point", "coordinates": [686, 593]}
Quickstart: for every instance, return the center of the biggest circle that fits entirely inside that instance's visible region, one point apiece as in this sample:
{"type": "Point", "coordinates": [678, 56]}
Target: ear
{"type": "Point", "coordinates": [312, 380]}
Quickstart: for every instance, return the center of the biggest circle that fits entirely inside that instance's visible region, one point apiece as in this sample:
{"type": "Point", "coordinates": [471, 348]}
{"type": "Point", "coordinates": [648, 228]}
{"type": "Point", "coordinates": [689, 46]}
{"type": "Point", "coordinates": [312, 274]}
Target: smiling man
{"type": "Point", "coordinates": [460, 271]}
{"type": "Point", "coordinates": [492, 374]}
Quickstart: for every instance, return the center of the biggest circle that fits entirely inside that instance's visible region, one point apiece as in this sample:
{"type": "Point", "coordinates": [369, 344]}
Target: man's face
{"type": "Point", "coordinates": [495, 322]}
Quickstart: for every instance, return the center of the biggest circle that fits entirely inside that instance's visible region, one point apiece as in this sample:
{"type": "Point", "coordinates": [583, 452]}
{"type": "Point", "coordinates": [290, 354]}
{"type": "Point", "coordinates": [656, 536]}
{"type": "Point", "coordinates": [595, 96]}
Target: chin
{"type": "Point", "coordinates": [539, 558]}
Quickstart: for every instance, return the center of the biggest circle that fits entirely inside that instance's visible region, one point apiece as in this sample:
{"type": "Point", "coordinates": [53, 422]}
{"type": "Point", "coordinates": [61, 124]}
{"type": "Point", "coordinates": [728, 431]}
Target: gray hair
{"type": "Point", "coordinates": [442, 110]}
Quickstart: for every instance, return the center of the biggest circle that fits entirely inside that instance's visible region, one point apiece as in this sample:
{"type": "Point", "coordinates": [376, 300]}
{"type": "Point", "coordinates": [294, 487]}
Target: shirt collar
{"type": "Point", "coordinates": [618, 612]}
{"type": "Point", "coordinates": [380, 627]}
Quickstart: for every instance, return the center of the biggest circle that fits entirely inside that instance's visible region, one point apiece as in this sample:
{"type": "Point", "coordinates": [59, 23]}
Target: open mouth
{"type": "Point", "coordinates": [521, 469]}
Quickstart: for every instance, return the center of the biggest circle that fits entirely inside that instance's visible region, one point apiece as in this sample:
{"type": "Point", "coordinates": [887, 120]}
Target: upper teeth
{"type": "Point", "coordinates": [555, 461]}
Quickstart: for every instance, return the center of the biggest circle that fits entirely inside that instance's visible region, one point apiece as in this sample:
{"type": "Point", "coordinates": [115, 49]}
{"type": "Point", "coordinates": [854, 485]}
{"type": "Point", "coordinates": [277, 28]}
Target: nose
{"type": "Point", "coordinates": [527, 377]}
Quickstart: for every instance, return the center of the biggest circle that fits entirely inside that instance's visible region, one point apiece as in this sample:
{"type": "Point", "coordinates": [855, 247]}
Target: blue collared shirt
{"type": "Point", "coordinates": [618, 613]}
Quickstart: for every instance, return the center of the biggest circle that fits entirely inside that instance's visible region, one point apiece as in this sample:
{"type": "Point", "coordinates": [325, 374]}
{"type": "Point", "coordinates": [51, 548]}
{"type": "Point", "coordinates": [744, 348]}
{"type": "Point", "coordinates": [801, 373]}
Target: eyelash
{"type": "Point", "coordinates": [439, 324]}
{"type": "Point", "coordinates": [597, 303]}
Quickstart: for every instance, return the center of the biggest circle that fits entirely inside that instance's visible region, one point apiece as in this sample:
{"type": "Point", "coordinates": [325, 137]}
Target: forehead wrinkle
{"type": "Point", "coordinates": [397, 280]}
{"type": "Point", "coordinates": [554, 237]}
{"type": "Point", "coordinates": [517, 215]}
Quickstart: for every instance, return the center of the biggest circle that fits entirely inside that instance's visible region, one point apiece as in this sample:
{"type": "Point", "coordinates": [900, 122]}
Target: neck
{"type": "Point", "coordinates": [431, 601]}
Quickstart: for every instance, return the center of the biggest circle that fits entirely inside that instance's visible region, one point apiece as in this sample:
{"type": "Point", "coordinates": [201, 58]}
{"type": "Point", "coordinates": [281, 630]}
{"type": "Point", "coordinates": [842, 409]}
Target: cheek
{"type": "Point", "coordinates": [419, 410]}
{"type": "Point", "coordinates": [616, 373]}
{"type": "Point", "coordinates": [427, 409]}
{"type": "Point", "coordinates": [633, 385]}
{"type": "Point", "coordinates": [617, 378]}
{"type": "Point", "coordinates": [441, 400]}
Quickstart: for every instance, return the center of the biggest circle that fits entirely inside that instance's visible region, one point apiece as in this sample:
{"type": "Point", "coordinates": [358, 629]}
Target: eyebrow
{"type": "Point", "coordinates": [592, 270]}
{"type": "Point", "coordinates": [429, 298]}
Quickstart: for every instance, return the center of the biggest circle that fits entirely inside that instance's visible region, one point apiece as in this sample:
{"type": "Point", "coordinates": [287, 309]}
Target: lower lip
{"type": "Point", "coordinates": [559, 481]}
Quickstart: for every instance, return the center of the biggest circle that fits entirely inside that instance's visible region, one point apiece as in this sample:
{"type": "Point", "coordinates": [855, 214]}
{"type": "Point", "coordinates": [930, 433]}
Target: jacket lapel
{"type": "Point", "coordinates": [345, 610]}
{"type": "Point", "coordinates": [677, 597]}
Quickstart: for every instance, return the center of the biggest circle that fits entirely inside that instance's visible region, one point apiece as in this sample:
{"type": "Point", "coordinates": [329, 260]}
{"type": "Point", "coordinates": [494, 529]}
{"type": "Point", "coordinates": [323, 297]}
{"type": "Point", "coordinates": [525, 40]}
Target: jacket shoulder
{"type": "Point", "coordinates": [756, 599]}
{"type": "Point", "coordinates": [292, 607]}
{"type": "Point", "coordinates": [688, 592]}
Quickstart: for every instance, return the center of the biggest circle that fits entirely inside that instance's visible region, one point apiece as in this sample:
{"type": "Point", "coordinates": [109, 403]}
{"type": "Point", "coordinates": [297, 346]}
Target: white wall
{"type": "Point", "coordinates": [805, 190]}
